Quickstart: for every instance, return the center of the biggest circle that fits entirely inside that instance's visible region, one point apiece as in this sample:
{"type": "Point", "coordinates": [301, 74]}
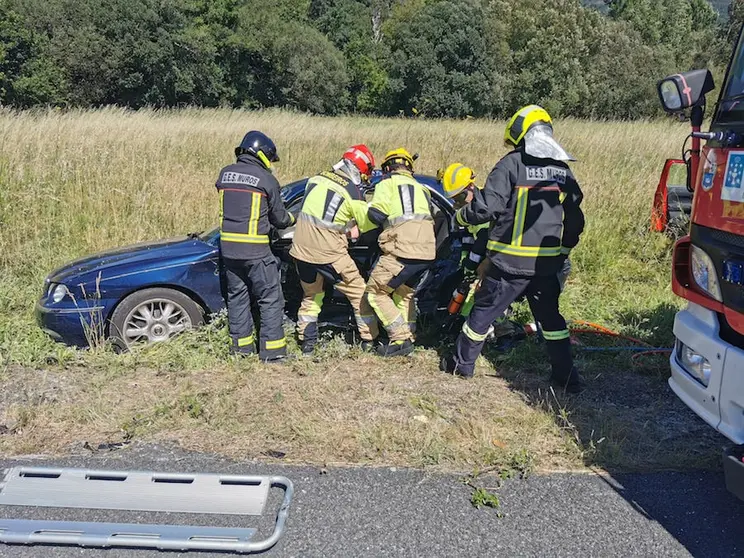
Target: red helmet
{"type": "Point", "coordinates": [361, 157]}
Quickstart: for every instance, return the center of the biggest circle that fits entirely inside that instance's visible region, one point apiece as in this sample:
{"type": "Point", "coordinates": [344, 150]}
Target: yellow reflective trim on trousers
{"type": "Point", "coordinates": [556, 335]}
{"type": "Point", "coordinates": [398, 301]}
{"type": "Point", "coordinates": [255, 214]}
{"type": "Point", "coordinates": [520, 216]}
{"type": "Point", "coordinates": [245, 341]}
{"type": "Point", "coordinates": [244, 238]}
{"type": "Point", "coordinates": [376, 308]}
{"type": "Point", "coordinates": [525, 251]}
{"type": "Point", "coordinates": [278, 344]}
{"type": "Point", "coordinates": [317, 306]}
{"type": "Point", "coordinates": [565, 250]}
{"type": "Point", "coordinates": [398, 319]}
{"type": "Point", "coordinates": [473, 336]}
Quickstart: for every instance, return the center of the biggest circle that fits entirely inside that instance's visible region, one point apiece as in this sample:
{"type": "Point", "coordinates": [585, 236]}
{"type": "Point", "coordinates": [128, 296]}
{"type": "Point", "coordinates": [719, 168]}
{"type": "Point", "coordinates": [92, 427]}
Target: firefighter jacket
{"type": "Point", "coordinates": [251, 204]}
{"type": "Point", "coordinates": [332, 205]}
{"type": "Point", "coordinates": [533, 206]}
{"type": "Point", "coordinates": [402, 206]}
{"type": "Point", "coordinates": [474, 246]}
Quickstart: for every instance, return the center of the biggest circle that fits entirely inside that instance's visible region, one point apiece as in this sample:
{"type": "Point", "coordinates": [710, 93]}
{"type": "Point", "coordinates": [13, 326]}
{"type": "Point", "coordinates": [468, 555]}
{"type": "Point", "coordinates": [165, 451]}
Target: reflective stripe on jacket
{"type": "Point", "coordinates": [533, 206]}
{"type": "Point", "coordinates": [331, 206]}
{"type": "Point", "coordinates": [250, 204]}
{"type": "Point", "coordinates": [474, 246]}
{"type": "Point", "coordinates": [402, 206]}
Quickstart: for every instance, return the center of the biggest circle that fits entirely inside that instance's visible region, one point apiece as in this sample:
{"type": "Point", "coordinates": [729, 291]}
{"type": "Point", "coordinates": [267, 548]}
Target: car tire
{"type": "Point", "coordinates": [153, 315]}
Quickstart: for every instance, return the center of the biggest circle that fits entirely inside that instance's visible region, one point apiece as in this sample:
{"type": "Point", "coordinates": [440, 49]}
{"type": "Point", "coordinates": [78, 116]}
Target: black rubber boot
{"type": "Point", "coordinates": [573, 384]}
{"type": "Point", "coordinates": [308, 346]}
{"type": "Point", "coordinates": [564, 373]}
{"type": "Point", "coordinates": [281, 359]}
{"type": "Point", "coordinates": [396, 348]}
{"type": "Point", "coordinates": [367, 346]}
{"type": "Point", "coordinates": [243, 351]}
{"type": "Point", "coordinates": [448, 365]}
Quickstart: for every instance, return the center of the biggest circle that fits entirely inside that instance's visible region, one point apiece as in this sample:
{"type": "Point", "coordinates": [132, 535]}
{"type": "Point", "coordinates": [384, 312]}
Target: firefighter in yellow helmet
{"type": "Point", "coordinates": [333, 211]}
{"type": "Point", "coordinates": [532, 202]}
{"type": "Point", "coordinates": [403, 208]}
{"type": "Point", "coordinates": [458, 184]}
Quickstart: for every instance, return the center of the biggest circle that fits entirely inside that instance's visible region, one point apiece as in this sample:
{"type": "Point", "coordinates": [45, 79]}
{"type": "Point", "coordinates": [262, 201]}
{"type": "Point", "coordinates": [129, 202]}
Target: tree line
{"type": "Point", "coordinates": [453, 58]}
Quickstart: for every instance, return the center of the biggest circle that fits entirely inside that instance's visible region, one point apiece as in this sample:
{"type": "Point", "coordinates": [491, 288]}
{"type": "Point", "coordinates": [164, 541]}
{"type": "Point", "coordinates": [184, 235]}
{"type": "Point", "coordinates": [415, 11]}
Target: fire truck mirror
{"type": "Point", "coordinates": [682, 91]}
{"type": "Point", "coordinates": [671, 100]}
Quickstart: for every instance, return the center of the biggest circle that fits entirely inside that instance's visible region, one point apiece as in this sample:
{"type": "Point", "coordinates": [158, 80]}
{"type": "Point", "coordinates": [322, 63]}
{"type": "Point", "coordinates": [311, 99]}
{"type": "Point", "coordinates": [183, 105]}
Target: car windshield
{"type": "Point", "coordinates": [731, 105]}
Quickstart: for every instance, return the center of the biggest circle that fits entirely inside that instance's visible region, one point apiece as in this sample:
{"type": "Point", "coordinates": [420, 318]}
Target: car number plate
{"type": "Point", "coordinates": [733, 272]}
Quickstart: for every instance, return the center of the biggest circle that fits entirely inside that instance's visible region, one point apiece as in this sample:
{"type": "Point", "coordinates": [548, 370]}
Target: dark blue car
{"type": "Point", "coordinates": [149, 292]}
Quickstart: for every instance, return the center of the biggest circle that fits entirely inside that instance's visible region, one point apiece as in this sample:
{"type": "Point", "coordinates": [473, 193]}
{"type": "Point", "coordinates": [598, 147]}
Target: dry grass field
{"type": "Point", "coordinates": [79, 182]}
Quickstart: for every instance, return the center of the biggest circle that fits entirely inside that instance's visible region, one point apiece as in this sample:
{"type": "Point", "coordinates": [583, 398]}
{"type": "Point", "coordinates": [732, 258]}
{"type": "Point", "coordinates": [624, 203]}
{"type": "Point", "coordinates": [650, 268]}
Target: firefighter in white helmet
{"type": "Point", "coordinates": [532, 202]}
{"type": "Point", "coordinates": [458, 185]}
{"type": "Point", "coordinates": [333, 211]}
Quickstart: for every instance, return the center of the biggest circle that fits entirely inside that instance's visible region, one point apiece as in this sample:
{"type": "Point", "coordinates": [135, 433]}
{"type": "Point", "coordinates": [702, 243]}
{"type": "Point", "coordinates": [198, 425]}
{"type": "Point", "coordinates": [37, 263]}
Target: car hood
{"type": "Point", "coordinates": [156, 253]}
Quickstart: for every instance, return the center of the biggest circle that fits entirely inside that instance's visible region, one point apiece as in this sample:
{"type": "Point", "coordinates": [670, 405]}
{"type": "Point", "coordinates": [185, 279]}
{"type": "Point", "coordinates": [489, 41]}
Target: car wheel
{"type": "Point", "coordinates": [153, 315]}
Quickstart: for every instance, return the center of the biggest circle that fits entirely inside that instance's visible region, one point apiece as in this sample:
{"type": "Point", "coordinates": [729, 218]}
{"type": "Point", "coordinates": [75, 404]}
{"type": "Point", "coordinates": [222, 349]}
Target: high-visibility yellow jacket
{"type": "Point", "coordinates": [332, 205]}
{"type": "Point", "coordinates": [402, 206]}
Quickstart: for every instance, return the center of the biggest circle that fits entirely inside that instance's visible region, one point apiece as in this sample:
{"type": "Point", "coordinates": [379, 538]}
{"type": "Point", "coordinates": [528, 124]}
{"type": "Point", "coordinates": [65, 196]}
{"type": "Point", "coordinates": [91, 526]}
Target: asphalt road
{"type": "Point", "coordinates": [350, 512]}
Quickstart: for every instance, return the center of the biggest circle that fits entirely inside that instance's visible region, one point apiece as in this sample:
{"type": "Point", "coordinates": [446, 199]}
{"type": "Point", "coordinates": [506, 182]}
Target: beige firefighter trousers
{"type": "Point", "coordinates": [350, 284]}
{"type": "Point", "coordinates": [394, 307]}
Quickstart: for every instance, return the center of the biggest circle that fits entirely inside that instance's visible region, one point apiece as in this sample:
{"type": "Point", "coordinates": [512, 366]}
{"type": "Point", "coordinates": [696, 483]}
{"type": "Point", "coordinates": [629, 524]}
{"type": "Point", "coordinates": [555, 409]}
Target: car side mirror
{"type": "Point", "coordinates": [683, 91]}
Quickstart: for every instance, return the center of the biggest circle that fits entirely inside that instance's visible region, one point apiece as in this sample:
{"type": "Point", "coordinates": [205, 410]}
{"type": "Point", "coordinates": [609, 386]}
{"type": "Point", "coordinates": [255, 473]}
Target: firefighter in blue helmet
{"type": "Point", "coordinates": [251, 204]}
{"type": "Point", "coordinates": [532, 202]}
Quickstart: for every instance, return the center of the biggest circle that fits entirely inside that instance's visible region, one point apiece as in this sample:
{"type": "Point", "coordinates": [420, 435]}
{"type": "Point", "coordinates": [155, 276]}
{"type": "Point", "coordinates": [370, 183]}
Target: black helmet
{"type": "Point", "coordinates": [259, 145]}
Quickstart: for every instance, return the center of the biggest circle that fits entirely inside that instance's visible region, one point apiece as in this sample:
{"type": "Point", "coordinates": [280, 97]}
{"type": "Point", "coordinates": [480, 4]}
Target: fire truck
{"type": "Point", "coordinates": [707, 364]}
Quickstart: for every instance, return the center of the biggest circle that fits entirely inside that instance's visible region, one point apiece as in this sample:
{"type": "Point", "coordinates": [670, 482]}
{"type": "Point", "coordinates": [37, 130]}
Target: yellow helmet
{"type": "Point", "coordinates": [455, 178]}
{"type": "Point", "coordinates": [399, 156]}
{"type": "Point", "coordinates": [522, 121]}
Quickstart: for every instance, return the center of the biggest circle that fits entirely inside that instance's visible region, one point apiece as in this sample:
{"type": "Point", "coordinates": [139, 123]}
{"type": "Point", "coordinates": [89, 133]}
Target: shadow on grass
{"type": "Point", "coordinates": [629, 421]}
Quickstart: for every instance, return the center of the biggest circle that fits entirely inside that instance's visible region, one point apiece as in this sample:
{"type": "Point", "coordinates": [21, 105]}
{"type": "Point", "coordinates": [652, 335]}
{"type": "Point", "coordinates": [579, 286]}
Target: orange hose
{"type": "Point", "coordinates": [612, 334]}
{"type": "Point", "coordinates": [595, 326]}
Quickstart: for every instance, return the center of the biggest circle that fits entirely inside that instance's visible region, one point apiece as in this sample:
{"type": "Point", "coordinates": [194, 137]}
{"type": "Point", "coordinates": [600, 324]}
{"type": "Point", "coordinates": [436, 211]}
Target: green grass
{"type": "Point", "coordinates": [78, 182]}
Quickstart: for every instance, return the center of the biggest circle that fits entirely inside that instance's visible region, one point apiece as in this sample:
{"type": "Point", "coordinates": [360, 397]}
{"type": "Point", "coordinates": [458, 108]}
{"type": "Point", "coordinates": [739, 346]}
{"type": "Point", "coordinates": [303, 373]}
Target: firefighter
{"type": "Point", "coordinates": [250, 205]}
{"type": "Point", "coordinates": [532, 201]}
{"type": "Point", "coordinates": [333, 211]}
{"type": "Point", "coordinates": [458, 184]}
{"type": "Point", "coordinates": [403, 208]}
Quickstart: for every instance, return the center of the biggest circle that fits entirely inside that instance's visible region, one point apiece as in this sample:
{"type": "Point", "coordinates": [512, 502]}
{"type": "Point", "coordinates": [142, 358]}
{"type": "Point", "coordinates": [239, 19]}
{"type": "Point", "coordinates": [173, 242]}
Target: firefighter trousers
{"type": "Point", "coordinates": [497, 292]}
{"type": "Point", "coordinates": [389, 295]}
{"type": "Point", "coordinates": [260, 280]}
{"type": "Point", "coordinates": [344, 275]}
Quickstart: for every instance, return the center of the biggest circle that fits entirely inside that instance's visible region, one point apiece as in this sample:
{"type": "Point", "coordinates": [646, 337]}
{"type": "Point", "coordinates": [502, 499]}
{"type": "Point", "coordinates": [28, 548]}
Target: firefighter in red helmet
{"type": "Point", "coordinates": [333, 211]}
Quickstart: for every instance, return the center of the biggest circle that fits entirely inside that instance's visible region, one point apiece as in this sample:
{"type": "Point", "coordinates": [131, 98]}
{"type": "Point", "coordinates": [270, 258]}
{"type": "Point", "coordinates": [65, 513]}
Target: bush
{"type": "Point", "coordinates": [452, 58]}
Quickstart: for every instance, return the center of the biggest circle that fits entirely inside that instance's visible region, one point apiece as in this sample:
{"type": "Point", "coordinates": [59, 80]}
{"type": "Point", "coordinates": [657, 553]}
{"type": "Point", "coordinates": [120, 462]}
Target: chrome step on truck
{"type": "Point", "coordinates": [145, 492]}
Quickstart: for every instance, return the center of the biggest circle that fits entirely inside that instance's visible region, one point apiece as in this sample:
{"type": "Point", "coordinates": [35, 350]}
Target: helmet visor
{"type": "Point", "coordinates": [539, 143]}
